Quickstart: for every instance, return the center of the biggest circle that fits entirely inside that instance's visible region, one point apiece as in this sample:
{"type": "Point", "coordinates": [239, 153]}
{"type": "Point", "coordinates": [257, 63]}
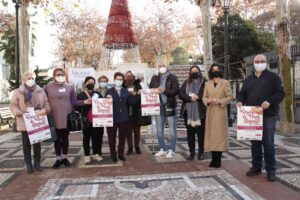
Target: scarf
{"type": "Point", "coordinates": [192, 108]}
{"type": "Point", "coordinates": [30, 97]}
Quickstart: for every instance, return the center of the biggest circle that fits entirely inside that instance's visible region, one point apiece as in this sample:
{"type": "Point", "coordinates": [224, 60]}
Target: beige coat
{"type": "Point", "coordinates": [216, 125]}
{"type": "Point", "coordinates": [18, 106]}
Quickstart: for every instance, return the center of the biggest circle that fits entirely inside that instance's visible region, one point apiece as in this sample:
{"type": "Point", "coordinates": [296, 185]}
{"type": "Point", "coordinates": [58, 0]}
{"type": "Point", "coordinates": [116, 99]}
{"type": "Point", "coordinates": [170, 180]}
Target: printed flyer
{"type": "Point", "coordinates": [150, 103]}
{"type": "Point", "coordinates": [102, 111]}
{"type": "Point", "coordinates": [249, 123]}
{"type": "Point", "coordinates": [37, 127]}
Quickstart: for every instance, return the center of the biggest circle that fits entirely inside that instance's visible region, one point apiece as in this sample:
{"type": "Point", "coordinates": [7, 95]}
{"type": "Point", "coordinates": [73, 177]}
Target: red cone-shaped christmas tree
{"type": "Point", "coordinates": [119, 36]}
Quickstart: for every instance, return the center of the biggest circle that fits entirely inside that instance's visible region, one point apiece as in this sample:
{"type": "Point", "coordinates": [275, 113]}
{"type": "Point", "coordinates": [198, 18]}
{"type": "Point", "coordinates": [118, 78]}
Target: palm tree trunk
{"type": "Point", "coordinates": [286, 124]}
{"type": "Point", "coordinates": [24, 38]}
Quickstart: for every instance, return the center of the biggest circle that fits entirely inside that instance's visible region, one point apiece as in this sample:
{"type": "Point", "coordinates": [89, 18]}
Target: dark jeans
{"type": "Point", "coordinates": [27, 147]}
{"type": "Point", "coordinates": [191, 133]}
{"type": "Point", "coordinates": [123, 129]}
{"type": "Point", "coordinates": [137, 134]}
{"type": "Point", "coordinates": [96, 134]}
{"type": "Point", "coordinates": [267, 143]}
{"type": "Point", "coordinates": [62, 142]}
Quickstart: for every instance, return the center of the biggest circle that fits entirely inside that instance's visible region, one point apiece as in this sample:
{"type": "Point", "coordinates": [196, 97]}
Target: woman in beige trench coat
{"type": "Point", "coordinates": [217, 95]}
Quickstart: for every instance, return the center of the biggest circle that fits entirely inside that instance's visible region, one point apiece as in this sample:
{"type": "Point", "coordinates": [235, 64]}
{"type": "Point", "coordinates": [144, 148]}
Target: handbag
{"type": "Point", "coordinates": [168, 109]}
{"type": "Point", "coordinates": [52, 129]}
{"type": "Point", "coordinates": [75, 121]}
{"type": "Point", "coordinates": [145, 121]}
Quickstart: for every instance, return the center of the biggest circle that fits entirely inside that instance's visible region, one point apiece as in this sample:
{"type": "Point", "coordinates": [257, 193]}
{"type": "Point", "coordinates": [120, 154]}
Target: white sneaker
{"type": "Point", "coordinates": [97, 157]}
{"type": "Point", "coordinates": [87, 159]}
{"type": "Point", "coordinates": [160, 153]}
{"type": "Point", "coordinates": [170, 154]}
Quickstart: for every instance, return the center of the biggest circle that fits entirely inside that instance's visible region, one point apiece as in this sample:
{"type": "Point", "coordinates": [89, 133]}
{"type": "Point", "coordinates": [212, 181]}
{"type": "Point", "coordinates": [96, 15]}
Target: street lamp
{"type": "Point", "coordinates": [17, 48]}
{"type": "Point", "coordinates": [65, 61]}
{"type": "Point", "coordinates": [226, 5]}
{"type": "Point", "coordinates": [190, 59]}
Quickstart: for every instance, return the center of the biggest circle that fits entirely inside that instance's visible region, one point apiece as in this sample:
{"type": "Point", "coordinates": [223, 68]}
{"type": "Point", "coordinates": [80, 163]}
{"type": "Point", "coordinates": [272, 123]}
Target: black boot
{"type": "Point", "coordinates": [138, 150]}
{"type": "Point", "coordinates": [213, 159]}
{"type": "Point", "coordinates": [29, 168]}
{"type": "Point", "coordinates": [201, 156]}
{"type": "Point", "coordinates": [129, 151]}
{"type": "Point", "coordinates": [37, 164]}
{"type": "Point", "coordinates": [218, 159]}
{"type": "Point", "coordinates": [191, 157]}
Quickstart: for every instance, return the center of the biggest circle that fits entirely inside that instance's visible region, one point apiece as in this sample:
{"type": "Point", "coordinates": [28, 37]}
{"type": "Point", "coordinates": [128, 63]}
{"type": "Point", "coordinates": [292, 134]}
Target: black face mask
{"type": "Point", "coordinates": [216, 74]}
{"type": "Point", "coordinates": [90, 86]}
{"type": "Point", "coordinates": [194, 75]}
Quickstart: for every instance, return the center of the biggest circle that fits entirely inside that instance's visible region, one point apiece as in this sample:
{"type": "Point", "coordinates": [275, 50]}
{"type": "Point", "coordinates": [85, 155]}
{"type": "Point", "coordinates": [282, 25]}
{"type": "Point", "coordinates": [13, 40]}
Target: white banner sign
{"type": "Point", "coordinates": [102, 111]}
{"type": "Point", "coordinates": [150, 103]}
{"type": "Point", "coordinates": [76, 76]}
{"type": "Point", "coordinates": [37, 127]}
{"type": "Point", "coordinates": [249, 123]}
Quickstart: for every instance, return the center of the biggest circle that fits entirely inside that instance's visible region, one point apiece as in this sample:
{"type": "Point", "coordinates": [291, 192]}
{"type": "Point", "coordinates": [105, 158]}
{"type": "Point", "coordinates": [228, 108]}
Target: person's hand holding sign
{"type": "Point", "coordinates": [265, 105]}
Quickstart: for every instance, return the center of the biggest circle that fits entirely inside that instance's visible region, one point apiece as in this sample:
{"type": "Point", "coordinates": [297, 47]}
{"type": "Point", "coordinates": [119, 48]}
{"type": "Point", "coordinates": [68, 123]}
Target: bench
{"type": "Point", "coordinates": [6, 117]}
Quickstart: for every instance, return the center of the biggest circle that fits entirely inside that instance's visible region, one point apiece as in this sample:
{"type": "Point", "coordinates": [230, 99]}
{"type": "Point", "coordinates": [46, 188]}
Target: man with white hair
{"type": "Point", "coordinates": [263, 89]}
{"type": "Point", "coordinates": [166, 85]}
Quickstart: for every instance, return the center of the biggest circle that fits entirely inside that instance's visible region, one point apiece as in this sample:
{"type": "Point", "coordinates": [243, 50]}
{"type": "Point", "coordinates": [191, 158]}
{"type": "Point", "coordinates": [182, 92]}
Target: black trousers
{"type": "Point", "coordinates": [192, 132]}
{"type": "Point", "coordinates": [136, 130]}
{"type": "Point", "coordinates": [123, 129]}
{"type": "Point", "coordinates": [27, 147]}
{"type": "Point", "coordinates": [62, 142]}
{"type": "Point", "coordinates": [96, 135]}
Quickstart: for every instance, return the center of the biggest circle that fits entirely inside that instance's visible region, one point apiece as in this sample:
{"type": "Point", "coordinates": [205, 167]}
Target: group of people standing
{"type": "Point", "coordinates": [204, 110]}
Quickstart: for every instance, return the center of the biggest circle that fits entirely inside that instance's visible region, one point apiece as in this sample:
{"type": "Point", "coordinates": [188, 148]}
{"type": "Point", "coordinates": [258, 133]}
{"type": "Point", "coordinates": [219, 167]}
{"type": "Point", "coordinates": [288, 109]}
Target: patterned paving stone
{"type": "Point", "coordinates": [193, 185]}
{"type": "Point", "coordinates": [12, 164]}
{"type": "Point", "coordinates": [291, 179]}
{"type": "Point", "coordinates": [5, 178]}
{"type": "Point", "coordinates": [10, 145]}
{"type": "Point", "coordinates": [20, 152]}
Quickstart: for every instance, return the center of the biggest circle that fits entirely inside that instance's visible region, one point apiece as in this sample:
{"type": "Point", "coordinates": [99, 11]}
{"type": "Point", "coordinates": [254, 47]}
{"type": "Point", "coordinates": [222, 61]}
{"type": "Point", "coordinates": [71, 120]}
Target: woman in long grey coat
{"type": "Point", "coordinates": [217, 95]}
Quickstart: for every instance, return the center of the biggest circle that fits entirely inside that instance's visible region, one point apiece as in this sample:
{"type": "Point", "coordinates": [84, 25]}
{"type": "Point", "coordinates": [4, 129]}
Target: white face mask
{"type": "Point", "coordinates": [260, 67]}
{"type": "Point", "coordinates": [118, 83]}
{"type": "Point", "coordinates": [103, 84]}
{"type": "Point", "coordinates": [162, 70]}
{"type": "Point", "coordinates": [60, 79]}
{"type": "Point", "coordinates": [30, 83]}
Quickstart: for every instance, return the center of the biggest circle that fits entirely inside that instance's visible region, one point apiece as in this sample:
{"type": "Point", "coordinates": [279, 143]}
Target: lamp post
{"type": "Point", "coordinates": [65, 61]}
{"type": "Point", "coordinates": [225, 5]}
{"type": "Point", "coordinates": [190, 59]}
{"type": "Point", "coordinates": [17, 48]}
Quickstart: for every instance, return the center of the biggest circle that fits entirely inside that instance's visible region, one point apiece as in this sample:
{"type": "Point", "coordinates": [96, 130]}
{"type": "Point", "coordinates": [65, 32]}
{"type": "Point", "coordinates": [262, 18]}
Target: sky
{"type": "Point", "coordinates": [46, 43]}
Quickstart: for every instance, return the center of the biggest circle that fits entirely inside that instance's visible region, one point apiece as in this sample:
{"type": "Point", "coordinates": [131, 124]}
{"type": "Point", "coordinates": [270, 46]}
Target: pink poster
{"type": "Point", "coordinates": [249, 123]}
{"type": "Point", "coordinates": [150, 103]}
{"type": "Point", "coordinates": [37, 127]}
{"type": "Point", "coordinates": [102, 111]}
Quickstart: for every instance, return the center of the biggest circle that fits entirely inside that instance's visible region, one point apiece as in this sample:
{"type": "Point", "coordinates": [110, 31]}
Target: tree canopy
{"type": "Point", "coordinates": [244, 39]}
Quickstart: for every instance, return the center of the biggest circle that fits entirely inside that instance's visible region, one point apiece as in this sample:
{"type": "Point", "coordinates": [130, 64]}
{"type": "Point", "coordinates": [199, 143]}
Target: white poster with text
{"type": "Point", "coordinates": [150, 103]}
{"type": "Point", "coordinates": [249, 123]}
{"type": "Point", "coordinates": [37, 127]}
{"type": "Point", "coordinates": [102, 112]}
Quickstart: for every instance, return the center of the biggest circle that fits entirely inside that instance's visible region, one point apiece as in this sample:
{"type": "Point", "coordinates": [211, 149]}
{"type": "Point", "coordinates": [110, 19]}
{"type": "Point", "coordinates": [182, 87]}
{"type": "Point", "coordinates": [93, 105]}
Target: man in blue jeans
{"type": "Point", "coordinates": [263, 89]}
{"type": "Point", "coordinates": [166, 85]}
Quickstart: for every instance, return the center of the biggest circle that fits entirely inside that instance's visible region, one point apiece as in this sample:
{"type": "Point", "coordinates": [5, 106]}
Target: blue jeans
{"type": "Point", "coordinates": [160, 121]}
{"type": "Point", "coordinates": [267, 143]}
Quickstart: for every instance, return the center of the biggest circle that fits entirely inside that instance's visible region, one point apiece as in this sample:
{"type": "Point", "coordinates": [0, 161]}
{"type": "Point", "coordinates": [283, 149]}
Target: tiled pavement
{"type": "Point", "coordinates": [167, 184]}
{"type": "Point", "coordinates": [192, 185]}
